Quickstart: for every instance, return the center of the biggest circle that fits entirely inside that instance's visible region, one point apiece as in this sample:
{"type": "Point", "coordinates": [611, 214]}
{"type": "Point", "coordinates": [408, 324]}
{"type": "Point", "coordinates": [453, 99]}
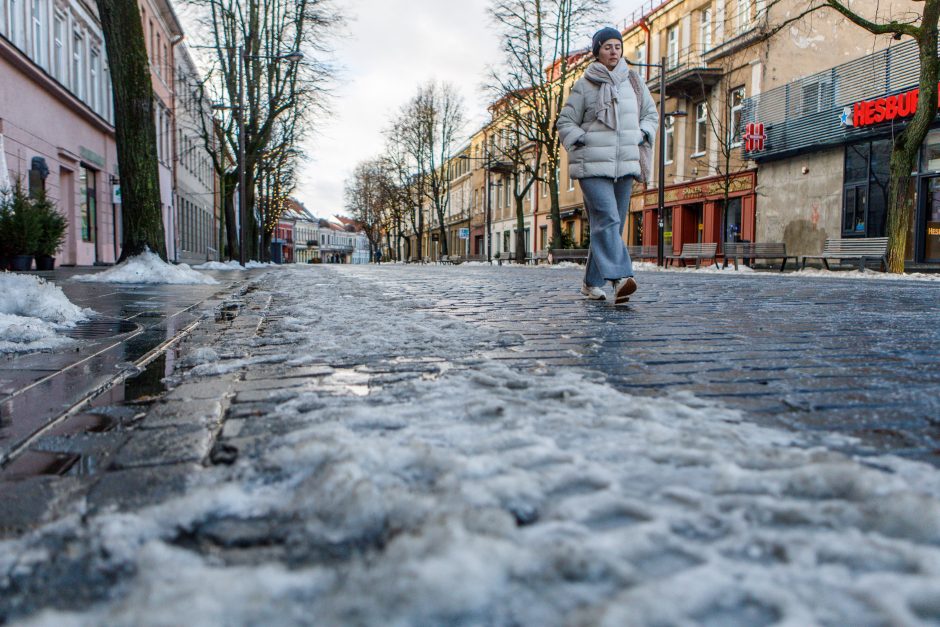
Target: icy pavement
{"type": "Point", "coordinates": [379, 446]}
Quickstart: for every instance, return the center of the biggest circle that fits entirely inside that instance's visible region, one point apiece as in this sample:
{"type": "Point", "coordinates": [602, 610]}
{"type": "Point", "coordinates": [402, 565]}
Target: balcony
{"type": "Point", "coordinates": [688, 75]}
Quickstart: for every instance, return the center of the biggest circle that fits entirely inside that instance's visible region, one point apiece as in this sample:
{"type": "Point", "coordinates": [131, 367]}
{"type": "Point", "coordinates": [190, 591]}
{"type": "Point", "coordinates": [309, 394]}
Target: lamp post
{"type": "Point", "coordinates": [661, 174]}
{"type": "Point", "coordinates": [487, 165]}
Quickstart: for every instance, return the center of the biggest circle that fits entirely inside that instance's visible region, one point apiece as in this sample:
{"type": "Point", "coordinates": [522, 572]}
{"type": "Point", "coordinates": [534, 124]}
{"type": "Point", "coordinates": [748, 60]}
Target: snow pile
{"type": "Point", "coordinates": [498, 497]}
{"type": "Point", "coordinates": [150, 269]}
{"type": "Point", "coordinates": [33, 312]}
{"type": "Point", "coordinates": [219, 265]}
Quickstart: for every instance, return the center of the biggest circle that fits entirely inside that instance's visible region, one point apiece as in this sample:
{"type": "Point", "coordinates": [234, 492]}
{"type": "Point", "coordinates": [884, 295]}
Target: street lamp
{"type": "Point", "coordinates": [660, 238]}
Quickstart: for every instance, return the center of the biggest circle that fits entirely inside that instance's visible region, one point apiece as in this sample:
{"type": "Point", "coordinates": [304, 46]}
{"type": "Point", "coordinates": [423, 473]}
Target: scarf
{"type": "Point", "coordinates": [609, 82]}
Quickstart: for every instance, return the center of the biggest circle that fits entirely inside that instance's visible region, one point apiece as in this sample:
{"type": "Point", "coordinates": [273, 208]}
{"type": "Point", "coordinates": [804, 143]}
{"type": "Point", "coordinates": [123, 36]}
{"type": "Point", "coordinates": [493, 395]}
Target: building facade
{"type": "Point", "coordinates": [197, 192]}
{"type": "Point", "coordinates": [162, 32]}
{"type": "Point", "coordinates": [56, 118]}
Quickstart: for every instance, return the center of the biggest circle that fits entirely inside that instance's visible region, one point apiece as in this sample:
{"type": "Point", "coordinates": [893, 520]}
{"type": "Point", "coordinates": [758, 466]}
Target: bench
{"type": "Point", "coordinates": [451, 259]}
{"type": "Point", "coordinates": [474, 257]}
{"type": "Point", "coordinates": [643, 252]}
{"type": "Point", "coordinates": [854, 248]}
{"type": "Point", "coordinates": [696, 252]}
{"type": "Point", "coordinates": [757, 250]}
{"type": "Point", "coordinates": [578, 255]}
{"type": "Point", "coordinates": [537, 257]}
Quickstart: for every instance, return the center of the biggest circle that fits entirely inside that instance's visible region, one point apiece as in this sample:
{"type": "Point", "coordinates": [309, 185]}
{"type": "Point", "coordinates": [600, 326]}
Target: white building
{"type": "Point", "coordinates": [197, 238]}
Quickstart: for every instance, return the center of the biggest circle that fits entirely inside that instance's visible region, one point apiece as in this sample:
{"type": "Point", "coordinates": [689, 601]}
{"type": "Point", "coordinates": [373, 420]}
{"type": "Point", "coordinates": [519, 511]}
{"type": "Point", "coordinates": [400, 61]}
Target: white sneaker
{"type": "Point", "coordinates": [623, 288]}
{"type": "Point", "coordinates": [593, 293]}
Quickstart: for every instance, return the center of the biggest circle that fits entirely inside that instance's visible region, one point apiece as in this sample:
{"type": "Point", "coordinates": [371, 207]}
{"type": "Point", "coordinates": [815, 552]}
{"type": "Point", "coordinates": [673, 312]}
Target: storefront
{"type": "Point", "coordinates": [695, 212]}
{"type": "Point", "coordinates": [824, 149]}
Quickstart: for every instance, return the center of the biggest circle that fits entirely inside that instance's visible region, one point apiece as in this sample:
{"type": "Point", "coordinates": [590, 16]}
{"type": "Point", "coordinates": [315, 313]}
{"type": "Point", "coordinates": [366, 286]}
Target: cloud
{"type": "Point", "coordinates": [391, 47]}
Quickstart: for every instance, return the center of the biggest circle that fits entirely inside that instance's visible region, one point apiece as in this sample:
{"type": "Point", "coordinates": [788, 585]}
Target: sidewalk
{"type": "Point", "coordinates": [460, 445]}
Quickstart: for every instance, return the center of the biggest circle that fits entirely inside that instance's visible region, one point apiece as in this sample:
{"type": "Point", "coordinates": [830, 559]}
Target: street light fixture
{"type": "Point", "coordinates": [660, 238]}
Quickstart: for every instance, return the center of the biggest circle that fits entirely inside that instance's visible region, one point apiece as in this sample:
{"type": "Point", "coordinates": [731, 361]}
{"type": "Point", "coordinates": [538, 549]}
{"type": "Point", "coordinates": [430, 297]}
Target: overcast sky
{"type": "Point", "coordinates": [391, 47]}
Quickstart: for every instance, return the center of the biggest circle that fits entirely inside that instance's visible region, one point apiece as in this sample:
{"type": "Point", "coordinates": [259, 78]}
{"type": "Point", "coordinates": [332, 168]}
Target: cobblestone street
{"type": "Point", "coordinates": [851, 356]}
{"type": "Point", "coordinates": [426, 445]}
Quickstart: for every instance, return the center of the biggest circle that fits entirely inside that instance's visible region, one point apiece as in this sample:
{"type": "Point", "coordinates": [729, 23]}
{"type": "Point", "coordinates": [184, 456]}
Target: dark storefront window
{"type": "Point", "coordinates": [637, 238]}
{"type": "Point", "coordinates": [87, 193]}
{"type": "Point", "coordinates": [667, 228]}
{"type": "Point", "coordinates": [865, 189]}
{"type": "Point", "coordinates": [733, 220]}
{"type": "Point", "coordinates": [932, 227]}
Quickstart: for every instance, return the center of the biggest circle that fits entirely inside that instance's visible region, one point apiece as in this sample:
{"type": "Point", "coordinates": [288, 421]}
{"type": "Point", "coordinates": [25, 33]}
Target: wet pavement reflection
{"type": "Point", "coordinates": [130, 322]}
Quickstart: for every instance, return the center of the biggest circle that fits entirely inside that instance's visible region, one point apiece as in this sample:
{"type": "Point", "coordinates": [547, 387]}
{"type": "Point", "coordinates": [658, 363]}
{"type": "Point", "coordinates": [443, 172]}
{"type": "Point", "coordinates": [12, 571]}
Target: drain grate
{"type": "Point", "coordinates": [101, 327]}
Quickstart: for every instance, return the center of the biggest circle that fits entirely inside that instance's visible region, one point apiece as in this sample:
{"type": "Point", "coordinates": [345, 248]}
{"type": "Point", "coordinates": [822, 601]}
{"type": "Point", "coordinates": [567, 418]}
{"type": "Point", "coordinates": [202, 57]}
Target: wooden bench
{"type": "Point", "coordinates": [474, 257]}
{"type": "Point", "coordinates": [757, 250]}
{"type": "Point", "coordinates": [862, 248]}
{"type": "Point", "coordinates": [451, 259]}
{"type": "Point", "coordinates": [578, 255]}
{"type": "Point", "coordinates": [696, 252]}
{"type": "Point", "coordinates": [643, 252]}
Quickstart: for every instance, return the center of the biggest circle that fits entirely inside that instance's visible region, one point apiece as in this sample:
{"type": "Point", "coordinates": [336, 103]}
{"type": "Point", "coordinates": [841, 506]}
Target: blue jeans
{"type": "Point", "coordinates": [607, 202]}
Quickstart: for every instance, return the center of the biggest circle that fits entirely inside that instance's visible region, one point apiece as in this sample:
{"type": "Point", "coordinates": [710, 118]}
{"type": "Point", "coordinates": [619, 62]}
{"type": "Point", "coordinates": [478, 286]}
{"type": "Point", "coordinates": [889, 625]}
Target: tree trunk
{"type": "Point", "coordinates": [556, 209]}
{"type": "Point", "coordinates": [228, 204]}
{"type": "Point", "coordinates": [442, 231]}
{"type": "Point", "coordinates": [908, 142]}
{"type": "Point", "coordinates": [135, 130]}
{"type": "Point", "coordinates": [520, 229]}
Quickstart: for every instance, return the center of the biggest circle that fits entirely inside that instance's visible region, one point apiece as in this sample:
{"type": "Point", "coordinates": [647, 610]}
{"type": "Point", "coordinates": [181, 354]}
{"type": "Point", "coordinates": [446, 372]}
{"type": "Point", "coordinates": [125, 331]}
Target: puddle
{"type": "Point", "coordinates": [348, 381]}
{"type": "Point", "coordinates": [101, 327]}
{"type": "Point", "coordinates": [83, 444]}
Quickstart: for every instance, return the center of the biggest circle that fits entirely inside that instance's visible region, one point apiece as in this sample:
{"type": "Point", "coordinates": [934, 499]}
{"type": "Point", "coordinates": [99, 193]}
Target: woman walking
{"type": "Point", "coordinates": [607, 116]}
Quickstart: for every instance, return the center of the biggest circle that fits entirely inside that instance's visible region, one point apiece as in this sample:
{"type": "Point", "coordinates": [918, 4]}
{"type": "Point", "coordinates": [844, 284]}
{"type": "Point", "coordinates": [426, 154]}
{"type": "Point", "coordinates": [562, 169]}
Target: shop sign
{"type": "Point", "coordinates": [754, 137]}
{"type": "Point", "coordinates": [464, 233]}
{"type": "Point", "coordinates": [877, 110]}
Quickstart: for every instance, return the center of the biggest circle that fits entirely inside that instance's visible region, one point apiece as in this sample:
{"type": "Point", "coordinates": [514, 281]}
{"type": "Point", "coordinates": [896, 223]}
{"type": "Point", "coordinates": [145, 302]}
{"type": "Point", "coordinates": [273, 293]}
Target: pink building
{"type": "Point", "coordinates": [56, 119]}
{"type": "Point", "coordinates": [56, 116]}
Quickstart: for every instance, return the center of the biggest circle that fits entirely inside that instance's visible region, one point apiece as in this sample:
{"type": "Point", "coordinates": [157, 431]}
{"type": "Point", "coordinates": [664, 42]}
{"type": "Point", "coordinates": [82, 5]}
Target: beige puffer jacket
{"type": "Point", "coordinates": [593, 148]}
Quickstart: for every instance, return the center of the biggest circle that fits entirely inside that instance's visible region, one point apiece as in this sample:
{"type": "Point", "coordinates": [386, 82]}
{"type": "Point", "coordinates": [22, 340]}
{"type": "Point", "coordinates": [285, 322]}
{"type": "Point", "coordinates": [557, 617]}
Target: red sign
{"type": "Point", "coordinates": [879, 110]}
{"type": "Point", "coordinates": [754, 136]}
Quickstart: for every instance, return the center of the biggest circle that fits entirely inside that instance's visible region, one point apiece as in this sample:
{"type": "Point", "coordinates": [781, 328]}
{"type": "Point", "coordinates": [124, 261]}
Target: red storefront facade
{"type": "Point", "coordinates": [694, 212]}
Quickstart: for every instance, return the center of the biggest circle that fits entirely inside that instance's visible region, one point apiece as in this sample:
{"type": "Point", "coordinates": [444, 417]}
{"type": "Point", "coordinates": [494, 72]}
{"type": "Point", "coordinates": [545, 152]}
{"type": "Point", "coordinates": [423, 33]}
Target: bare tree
{"type": "Point", "coordinates": [922, 28]}
{"type": "Point", "coordinates": [135, 130]}
{"type": "Point", "coordinates": [404, 148]}
{"type": "Point", "coordinates": [367, 201]}
{"type": "Point", "coordinates": [435, 121]}
{"type": "Point", "coordinates": [538, 63]}
{"type": "Point", "coordinates": [250, 41]}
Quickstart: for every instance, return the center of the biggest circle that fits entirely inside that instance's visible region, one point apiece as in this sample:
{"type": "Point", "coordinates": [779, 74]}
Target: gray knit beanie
{"type": "Point", "coordinates": [604, 34]}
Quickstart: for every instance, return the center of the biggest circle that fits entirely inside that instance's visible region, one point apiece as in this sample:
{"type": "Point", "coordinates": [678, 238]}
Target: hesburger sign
{"type": "Point", "coordinates": [879, 110]}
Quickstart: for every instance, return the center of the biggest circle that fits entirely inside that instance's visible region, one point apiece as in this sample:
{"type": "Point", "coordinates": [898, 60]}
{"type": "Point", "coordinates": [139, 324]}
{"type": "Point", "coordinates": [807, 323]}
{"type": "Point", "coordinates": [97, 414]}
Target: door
{"type": "Point", "coordinates": [931, 231]}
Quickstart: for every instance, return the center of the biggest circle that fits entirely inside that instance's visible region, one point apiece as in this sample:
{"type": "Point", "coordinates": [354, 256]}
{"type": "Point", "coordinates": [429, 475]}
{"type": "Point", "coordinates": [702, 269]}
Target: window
{"type": "Point", "coordinates": [94, 86]}
{"type": "Point", "coordinates": [78, 76]}
{"type": "Point", "coordinates": [670, 127]}
{"type": "Point", "coordinates": [58, 48]}
{"type": "Point", "coordinates": [15, 18]}
{"type": "Point", "coordinates": [39, 33]}
{"type": "Point", "coordinates": [506, 246]}
{"type": "Point", "coordinates": [87, 203]}
{"type": "Point", "coordinates": [672, 46]}
{"type": "Point", "coordinates": [701, 128]}
{"type": "Point", "coordinates": [865, 189]}
{"type": "Point", "coordinates": [743, 15]}
{"type": "Point", "coordinates": [736, 102]}
{"type": "Point", "coordinates": [640, 55]}
{"type": "Point", "coordinates": [705, 29]}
